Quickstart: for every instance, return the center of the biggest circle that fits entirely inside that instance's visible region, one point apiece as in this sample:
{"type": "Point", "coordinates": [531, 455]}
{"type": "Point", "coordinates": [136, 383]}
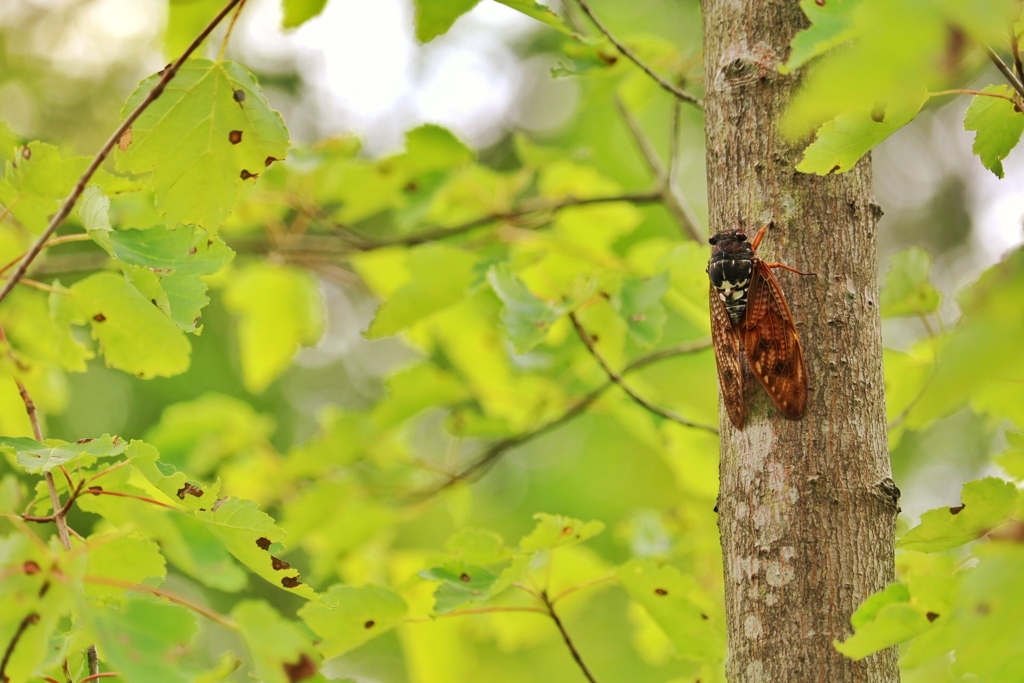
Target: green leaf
{"type": "Point", "coordinates": [641, 308]}
{"type": "Point", "coordinates": [347, 617]}
{"type": "Point", "coordinates": [94, 213]}
{"type": "Point", "coordinates": [205, 138]}
{"type": "Point", "coordinates": [526, 318]}
{"type": "Point", "coordinates": [280, 651]}
{"type": "Point", "coordinates": [841, 142]}
{"type": "Point", "coordinates": [907, 289]}
{"type": "Point", "coordinates": [36, 181]}
{"type": "Point", "coordinates": [541, 13]}
{"type": "Point", "coordinates": [298, 12]}
{"type": "Point", "coordinates": [998, 125]}
{"type": "Point", "coordinates": [37, 457]}
{"type": "Point", "coordinates": [180, 489]}
{"type": "Point", "coordinates": [71, 353]}
{"type": "Point", "coordinates": [885, 619]}
{"type": "Point", "coordinates": [435, 17]}
{"type": "Point", "coordinates": [677, 604]}
{"type": "Point", "coordinates": [478, 546]}
{"type": "Point", "coordinates": [135, 336]}
{"type": "Point", "coordinates": [142, 640]}
{"type": "Point", "coordinates": [832, 24]}
{"type": "Point", "coordinates": [426, 291]}
{"type": "Point", "coordinates": [554, 531]}
{"type": "Point", "coordinates": [987, 503]}
{"type": "Point", "coordinates": [279, 309]}
{"type": "Point", "coordinates": [9, 142]}
{"type": "Point", "coordinates": [129, 560]}
{"type": "Point", "coordinates": [185, 250]}
{"type": "Point", "coordinates": [250, 535]}
{"type": "Point", "coordinates": [461, 584]}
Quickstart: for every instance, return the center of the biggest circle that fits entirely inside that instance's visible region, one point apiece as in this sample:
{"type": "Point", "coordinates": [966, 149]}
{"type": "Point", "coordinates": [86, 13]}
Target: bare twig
{"type": "Point", "coordinates": [1011, 77]}
{"type": "Point", "coordinates": [631, 56]}
{"type": "Point", "coordinates": [675, 203]}
{"type": "Point", "coordinates": [94, 660]}
{"type": "Point", "coordinates": [37, 431]}
{"type": "Point", "coordinates": [365, 244]}
{"type": "Point", "coordinates": [565, 636]}
{"type": "Point", "coordinates": [28, 620]}
{"type": "Point", "coordinates": [1015, 49]}
{"type": "Point", "coordinates": [494, 452]}
{"type": "Point", "coordinates": [69, 203]}
{"type": "Point", "coordinates": [619, 380]}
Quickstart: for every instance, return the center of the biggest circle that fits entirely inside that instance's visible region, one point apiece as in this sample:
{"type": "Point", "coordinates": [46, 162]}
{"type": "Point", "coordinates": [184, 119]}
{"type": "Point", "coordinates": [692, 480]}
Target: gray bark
{"type": "Point", "coordinates": [806, 508]}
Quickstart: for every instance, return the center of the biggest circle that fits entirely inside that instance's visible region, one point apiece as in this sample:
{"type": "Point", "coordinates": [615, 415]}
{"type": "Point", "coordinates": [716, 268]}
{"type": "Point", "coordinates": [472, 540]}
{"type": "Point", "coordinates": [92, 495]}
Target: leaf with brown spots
{"type": "Point", "coordinates": [280, 650]}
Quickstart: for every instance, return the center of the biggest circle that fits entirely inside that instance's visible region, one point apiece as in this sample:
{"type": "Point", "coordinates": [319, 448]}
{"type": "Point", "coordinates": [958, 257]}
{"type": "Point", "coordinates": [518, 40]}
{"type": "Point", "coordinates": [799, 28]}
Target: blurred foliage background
{"type": "Point", "coordinates": [336, 438]}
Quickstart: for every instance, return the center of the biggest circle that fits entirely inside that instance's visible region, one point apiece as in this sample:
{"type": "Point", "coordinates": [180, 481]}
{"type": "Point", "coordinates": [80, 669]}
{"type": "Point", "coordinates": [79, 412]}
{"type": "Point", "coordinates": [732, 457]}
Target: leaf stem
{"type": "Point", "coordinates": [580, 586]}
{"type": "Point", "coordinates": [619, 380]}
{"type": "Point", "coordinates": [63, 239]}
{"type": "Point", "coordinates": [565, 636]}
{"type": "Point", "coordinates": [631, 56]}
{"type": "Point", "coordinates": [227, 34]}
{"type": "Point", "coordinates": [1011, 77]}
{"type": "Point", "coordinates": [978, 93]}
{"type": "Point", "coordinates": [478, 610]}
{"type": "Point", "coordinates": [215, 617]}
{"type": "Point", "coordinates": [153, 501]}
{"type": "Point", "coordinates": [168, 73]}
{"type": "Point", "coordinates": [674, 202]}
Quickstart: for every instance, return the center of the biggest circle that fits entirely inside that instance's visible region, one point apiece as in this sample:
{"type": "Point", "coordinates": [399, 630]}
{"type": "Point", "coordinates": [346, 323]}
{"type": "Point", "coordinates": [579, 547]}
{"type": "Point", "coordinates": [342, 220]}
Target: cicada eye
{"type": "Point", "coordinates": [713, 239]}
{"type": "Point", "coordinates": [741, 236]}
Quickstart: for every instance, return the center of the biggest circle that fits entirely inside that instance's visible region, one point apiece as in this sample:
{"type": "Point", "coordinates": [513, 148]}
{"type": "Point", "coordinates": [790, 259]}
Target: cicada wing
{"type": "Point", "coordinates": [772, 344]}
{"type": "Point", "coordinates": [726, 339]}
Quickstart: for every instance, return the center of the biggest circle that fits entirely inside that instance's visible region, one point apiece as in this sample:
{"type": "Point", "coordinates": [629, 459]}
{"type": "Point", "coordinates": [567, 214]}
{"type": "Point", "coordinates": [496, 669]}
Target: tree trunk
{"type": "Point", "coordinates": [807, 508]}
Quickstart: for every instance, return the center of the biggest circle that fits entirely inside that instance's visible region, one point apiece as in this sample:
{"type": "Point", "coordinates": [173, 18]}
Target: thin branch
{"type": "Point", "coordinates": [28, 620]}
{"type": "Point", "coordinates": [580, 586]}
{"type": "Point", "coordinates": [674, 202]}
{"type": "Point", "coordinates": [69, 203]}
{"type": "Point", "coordinates": [631, 56]}
{"type": "Point", "coordinates": [494, 452]}
{"type": "Point", "coordinates": [63, 239]}
{"type": "Point", "coordinates": [1011, 77]}
{"type": "Point", "coordinates": [977, 93]}
{"type": "Point", "coordinates": [618, 379]}
{"type": "Point", "coordinates": [429, 235]}
{"type": "Point", "coordinates": [1015, 49]}
{"type": "Point", "coordinates": [37, 431]}
{"type": "Point", "coordinates": [93, 657]}
{"type": "Point", "coordinates": [98, 676]}
{"type": "Point", "coordinates": [566, 638]}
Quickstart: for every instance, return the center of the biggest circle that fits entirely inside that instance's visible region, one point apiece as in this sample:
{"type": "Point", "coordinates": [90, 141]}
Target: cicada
{"type": "Point", "coordinates": [750, 318]}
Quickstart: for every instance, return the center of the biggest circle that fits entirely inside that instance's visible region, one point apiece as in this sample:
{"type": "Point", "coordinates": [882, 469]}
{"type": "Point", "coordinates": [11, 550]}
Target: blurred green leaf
{"type": "Point", "coordinates": [987, 503]}
{"type": "Point", "coordinates": [347, 617]}
{"type": "Point", "coordinates": [298, 12]}
{"type": "Point", "coordinates": [281, 651]}
{"type": "Point", "coordinates": [438, 276]}
{"type": "Point", "coordinates": [841, 142]}
{"type": "Point", "coordinates": [832, 24]}
{"type": "Point", "coordinates": [555, 531]}
{"type": "Point", "coordinates": [642, 309]}
{"type": "Point", "coordinates": [526, 317]}
{"type": "Point", "coordinates": [478, 546]}
{"type": "Point", "coordinates": [998, 125]}
{"type": "Point", "coordinates": [210, 133]}
{"type": "Point", "coordinates": [885, 619]}
{"type": "Point", "coordinates": [35, 457]}
{"type": "Point", "coordinates": [678, 605]}
{"type": "Point", "coordinates": [143, 640]}
{"type": "Point", "coordinates": [908, 289]}
{"type": "Point", "coordinates": [435, 17]}
{"type": "Point", "coordinates": [127, 560]}
{"type": "Point", "coordinates": [279, 309]}
{"type": "Point", "coordinates": [540, 12]}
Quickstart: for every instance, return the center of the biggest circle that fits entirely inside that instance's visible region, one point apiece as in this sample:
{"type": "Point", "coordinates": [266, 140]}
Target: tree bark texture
{"type": "Point", "coordinates": [807, 508]}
